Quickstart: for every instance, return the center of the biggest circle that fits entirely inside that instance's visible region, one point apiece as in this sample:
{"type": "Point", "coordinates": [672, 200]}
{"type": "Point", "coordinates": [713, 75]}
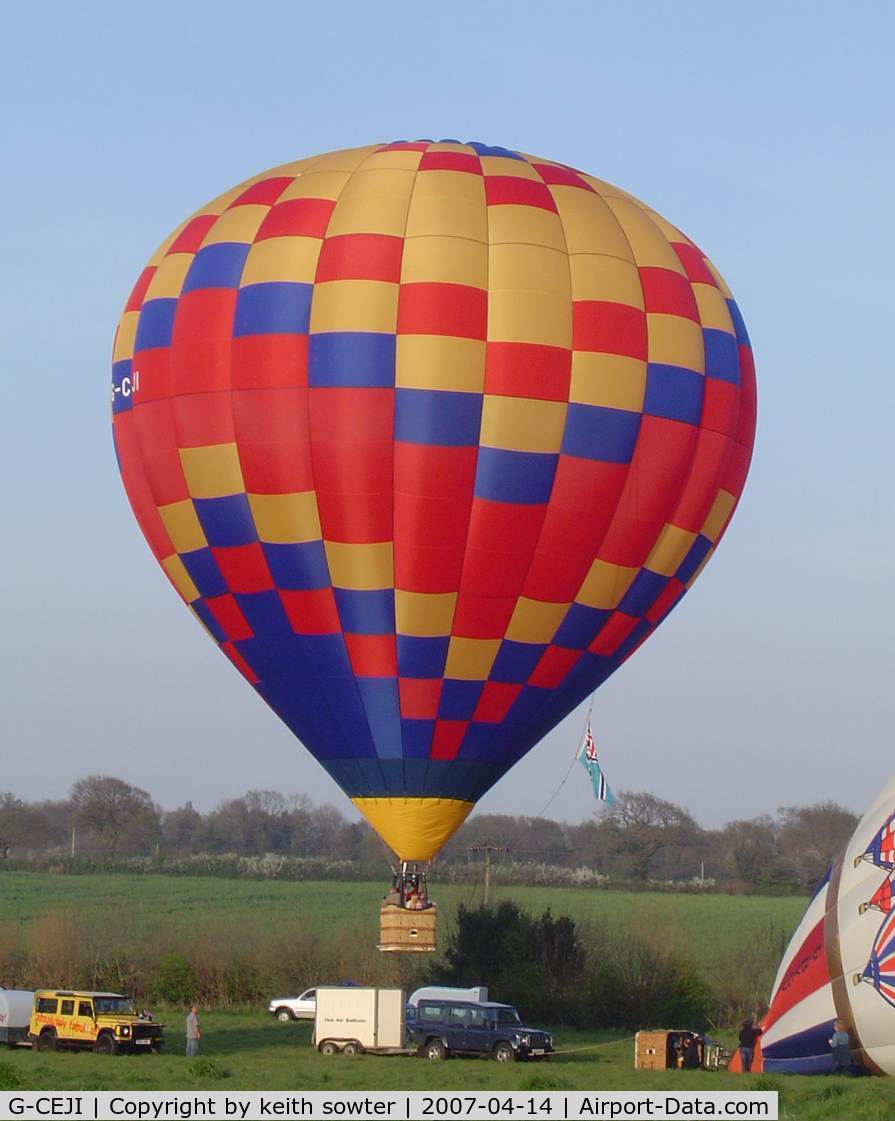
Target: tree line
{"type": "Point", "coordinates": [640, 840]}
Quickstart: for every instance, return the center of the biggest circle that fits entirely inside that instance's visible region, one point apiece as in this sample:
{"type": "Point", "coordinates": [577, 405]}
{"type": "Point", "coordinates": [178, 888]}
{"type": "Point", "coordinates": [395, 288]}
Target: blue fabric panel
{"type": "Point", "coordinates": [216, 266]}
{"type": "Point", "coordinates": [204, 572]}
{"type": "Point", "coordinates": [520, 477]}
{"type": "Point", "coordinates": [275, 308]}
{"type": "Point", "coordinates": [458, 699]}
{"type": "Point", "coordinates": [422, 657]}
{"type": "Point", "coordinates": [515, 661]}
{"type": "Point", "coordinates": [264, 613]}
{"type": "Point", "coordinates": [580, 626]}
{"type": "Point", "coordinates": [366, 612]}
{"type": "Point", "coordinates": [226, 521]}
{"type": "Point", "coordinates": [351, 358]}
{"type": "Point", "coordinates": [722, 359]}
{"type": "Point", "coordinates": [155, 324]}
{"type": "Point", "coordinates": [597, 432]}
{"type": "Point", "coordinates": [379, 696]}
{"type": "Point", "coordinates": [433, 416]}
{"type": "Point", "coordinates": [673, 392]}
{"type": "Point", "coordinates": [300, 567]}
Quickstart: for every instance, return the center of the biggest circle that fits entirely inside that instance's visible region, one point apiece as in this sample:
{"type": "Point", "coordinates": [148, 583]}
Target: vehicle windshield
{"type": "Point", "coordinates": [508, 1016]}
{"type": "Point", "coordinates": [113, 1005]}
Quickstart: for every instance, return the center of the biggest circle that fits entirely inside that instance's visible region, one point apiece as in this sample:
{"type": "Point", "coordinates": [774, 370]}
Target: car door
{"type": "Point", "coordinates": [455, 1027]}
{"type": "Point", "coordinates": [306, 1005]}
{"type": "Point", "coordinates": [479, 1033]}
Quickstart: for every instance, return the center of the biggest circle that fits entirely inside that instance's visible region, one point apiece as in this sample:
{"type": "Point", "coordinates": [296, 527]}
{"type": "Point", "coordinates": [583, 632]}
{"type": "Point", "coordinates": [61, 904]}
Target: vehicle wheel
{"type": "Point", "coordinates": [47, 1041]}
{"type": "Point", "coordinates": [284, 1015]}
{"type": "Point", "coordinates": [105, 1045]}
{"type": "Point", "coordinates": [504, 1053]}
{"type": "Point", "coordinates": [435, 1049]}
{"type": "Point", "coordinates": [351, 1049]}
{"type": "Point", "coordinates": [327, 1047]}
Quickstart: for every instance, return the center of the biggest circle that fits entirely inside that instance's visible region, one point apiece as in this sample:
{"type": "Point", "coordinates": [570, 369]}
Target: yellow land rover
{"type": "Point", "coordinates": [105, 1022]}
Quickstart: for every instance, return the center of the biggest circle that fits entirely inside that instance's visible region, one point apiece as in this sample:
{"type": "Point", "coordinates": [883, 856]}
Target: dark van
{"type": "Point", "coordinates": [453, 1027]}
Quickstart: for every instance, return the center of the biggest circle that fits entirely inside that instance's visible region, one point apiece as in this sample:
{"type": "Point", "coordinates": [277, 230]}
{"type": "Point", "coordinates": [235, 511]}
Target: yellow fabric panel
{"type": "Point", "coordinates": [424, 614]}
{"type": "Point", "coordinates": [239, 224]}
{"type": "Point", "coordinates": [597, 277]}
{"type": "Point", "coordinates": [675, 341]}
{"type": "Point", "coordinates": [448, 204]}
{"type": "Point", "coordinates": [363, 568]}
{"type": "Point", "coordinates": [527, 225]}
{"type": "Point", "coordinates": [284, 519]}
{"type": "Point", "coordinates": [520, 315]}
{"type": "Point", "coordinates": [668, 552]}
{"type": "Point", "coordinates": [672, 233]}
{"type": "Point", "coordinates": [721, 510]}
{"type": "Point", "coordinates": [125, 336]}
{"type": "Point", "coordinates": [180, 578]}
{"type": "Point", "coordinates": [522, 424]}
{"type": "Point", "coordinates": [528, 266]}
{"type": "Point", "coordinates": [471, 659]}
{"type": "Point", "coordinates": [346, 159]}
{"type": "Point", "coordinates": [506, 165]}
{"type": "Point", "coordinates": [213, 471]}
{"type": "Point", "coordinates": [609, 190]}
{"type": "Point", "coordinates": [445, 260]}
{"type": "Point", "coordinates": [713, 309]}
{"type": "Point", "coordinates": [182, 526]}
{"type": "Point", "coordinates": [605, 585]}
{"type": "Point", "coordinates": [612, 380]}
{"type": "Point", "coordinates": [440, 362]}
{"type": "Point", "coordinates": [282, 258]}
{"type": "Point", "coordinates": [589, 224]}
{"type": "Point", "coordinates": [167, 282]}
{"type": "Point", "coordinates": [648, 243]}
{"type": "Point", "coordinates": [373, 202]}
{"type": "Point", "coordinates": [414, 828]}
{"type": "Point", "coordinates": [403, 159]}
{"type": "Point", "coordinates": [354, 305]}
{"type": "Point", "coordinates": [725, 291]}
{"type": "Point", "coordinates": [316, 185]}
{"type": "Point", "coordinates": [535, 621]}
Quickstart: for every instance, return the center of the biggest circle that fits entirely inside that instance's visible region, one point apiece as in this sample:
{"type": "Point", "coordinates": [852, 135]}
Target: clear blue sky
{"type": "Point", "coordinates": [763, 130]}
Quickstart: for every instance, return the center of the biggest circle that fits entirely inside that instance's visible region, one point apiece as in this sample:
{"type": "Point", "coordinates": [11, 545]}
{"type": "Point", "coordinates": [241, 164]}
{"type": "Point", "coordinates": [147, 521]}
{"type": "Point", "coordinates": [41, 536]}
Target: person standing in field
{"type": "Point", "coordinates": [193, 1033]}
{"type": "Point", "coordinates": [842, 1063]}
{"type": "Point", "coordinates": [749, 1033]}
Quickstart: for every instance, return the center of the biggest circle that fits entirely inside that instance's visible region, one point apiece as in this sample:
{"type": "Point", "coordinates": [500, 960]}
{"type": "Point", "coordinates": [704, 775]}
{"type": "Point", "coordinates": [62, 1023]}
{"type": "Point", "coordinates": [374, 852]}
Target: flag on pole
{"type": "Point", "coordinates": [588, 757]}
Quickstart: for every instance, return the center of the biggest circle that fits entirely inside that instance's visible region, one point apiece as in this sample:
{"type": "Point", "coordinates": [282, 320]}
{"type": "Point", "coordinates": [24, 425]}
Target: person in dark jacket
{"type": "Point", "coordinates": [749, 1034]}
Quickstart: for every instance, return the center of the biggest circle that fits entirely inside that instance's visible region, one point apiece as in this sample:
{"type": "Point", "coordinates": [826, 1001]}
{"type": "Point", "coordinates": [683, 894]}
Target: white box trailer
{"type": "Point", "coordinates": [15, 1016]}
{"type": "Point", "coordinates": [354, 1020]}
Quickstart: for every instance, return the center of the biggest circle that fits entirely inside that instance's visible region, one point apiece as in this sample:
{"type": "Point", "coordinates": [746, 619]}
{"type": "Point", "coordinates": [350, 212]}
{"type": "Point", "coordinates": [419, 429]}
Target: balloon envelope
{"type": "Point", "coordinates": [430, 437]}
{"type": "Point", "coordinates": [840, 963]}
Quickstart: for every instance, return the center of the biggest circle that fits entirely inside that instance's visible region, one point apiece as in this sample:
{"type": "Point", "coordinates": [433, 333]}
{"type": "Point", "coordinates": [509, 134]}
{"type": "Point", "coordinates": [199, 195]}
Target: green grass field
{"type": "Point", "coordinates": [712, 927]}
{"type": "Point", "coordinates": [250, 1051]}
{"type": "Point", "coordinates": [247, 1050]}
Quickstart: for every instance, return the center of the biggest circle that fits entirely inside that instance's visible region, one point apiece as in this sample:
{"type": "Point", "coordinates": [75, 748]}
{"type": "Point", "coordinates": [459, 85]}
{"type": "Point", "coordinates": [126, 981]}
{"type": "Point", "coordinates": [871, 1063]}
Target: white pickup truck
{"type": "Point", "coordinates": [287, 1008]}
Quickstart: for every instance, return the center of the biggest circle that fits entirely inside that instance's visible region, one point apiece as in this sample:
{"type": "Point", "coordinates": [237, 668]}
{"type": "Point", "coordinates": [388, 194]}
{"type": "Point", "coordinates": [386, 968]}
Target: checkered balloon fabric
{"type": "Point", "coordinates": [430, 437]}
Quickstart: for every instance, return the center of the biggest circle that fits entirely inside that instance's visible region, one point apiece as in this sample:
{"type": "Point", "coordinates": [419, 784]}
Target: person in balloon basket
{"type": "Point", "coordinates": [193, 1033]}
{"type": "Point", "coordinates": [749, 1034]}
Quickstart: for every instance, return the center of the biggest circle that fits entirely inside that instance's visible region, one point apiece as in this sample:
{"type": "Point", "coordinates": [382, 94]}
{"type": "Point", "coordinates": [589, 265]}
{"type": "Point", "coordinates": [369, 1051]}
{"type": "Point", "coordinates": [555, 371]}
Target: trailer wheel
{"type": "Point", "coordinates": [435, 1049]}
{"type": "Point", "coordinates": [351, 1048]}
{"type": "Point", "coordinates": [327, 1047]}
{"type": "Point", "coordinates": [504, 1053]}
{"type": "Point", "coordinates": [47, 1041]}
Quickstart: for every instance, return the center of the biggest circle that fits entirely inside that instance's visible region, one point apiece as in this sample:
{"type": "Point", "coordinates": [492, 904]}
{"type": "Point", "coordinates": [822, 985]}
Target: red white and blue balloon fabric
{"type": "Point", "coordinates": [840, 963]}
{"type": "Point", "coordinates": [430, 437]}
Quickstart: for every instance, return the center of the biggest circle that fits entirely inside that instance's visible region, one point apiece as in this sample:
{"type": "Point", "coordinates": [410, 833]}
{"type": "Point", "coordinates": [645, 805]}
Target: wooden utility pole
{"type": "Point", "coordinates": [487, 850]}
{"type": "Point", "coordinates": [73, 833]}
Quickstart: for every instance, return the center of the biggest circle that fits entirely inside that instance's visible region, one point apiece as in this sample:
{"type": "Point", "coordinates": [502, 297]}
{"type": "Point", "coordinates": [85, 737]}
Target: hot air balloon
{"type": "Point", "coordinates": [840, 963]}
{"type": "Point", "coordinates": [430, 437]}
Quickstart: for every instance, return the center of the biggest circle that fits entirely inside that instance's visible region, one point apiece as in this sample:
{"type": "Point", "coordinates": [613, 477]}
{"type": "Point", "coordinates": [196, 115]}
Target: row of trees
{"type": "Point", "coordinates": [640, 839]}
